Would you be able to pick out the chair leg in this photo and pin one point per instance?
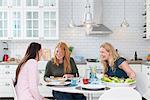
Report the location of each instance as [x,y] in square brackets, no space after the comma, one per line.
[143,98]
[50,98]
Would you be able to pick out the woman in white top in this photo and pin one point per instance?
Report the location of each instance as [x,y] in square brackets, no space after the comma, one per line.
[27,80]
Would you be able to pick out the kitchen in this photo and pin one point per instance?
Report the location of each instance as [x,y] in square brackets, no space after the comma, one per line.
[126,40]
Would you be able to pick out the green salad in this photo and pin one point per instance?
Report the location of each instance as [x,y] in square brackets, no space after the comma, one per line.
[117,80]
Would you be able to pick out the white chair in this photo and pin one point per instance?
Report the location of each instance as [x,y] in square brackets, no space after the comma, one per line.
[121,93]
[14,90]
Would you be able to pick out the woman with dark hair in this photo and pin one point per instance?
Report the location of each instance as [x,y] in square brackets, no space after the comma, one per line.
[62,65]
[26,83]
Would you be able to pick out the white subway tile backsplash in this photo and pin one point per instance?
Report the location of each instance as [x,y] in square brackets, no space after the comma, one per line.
[126,41]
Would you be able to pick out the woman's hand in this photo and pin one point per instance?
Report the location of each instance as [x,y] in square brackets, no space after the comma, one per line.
[68,76]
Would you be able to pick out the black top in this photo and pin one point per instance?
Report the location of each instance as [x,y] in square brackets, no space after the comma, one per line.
[58,71]
[117,71]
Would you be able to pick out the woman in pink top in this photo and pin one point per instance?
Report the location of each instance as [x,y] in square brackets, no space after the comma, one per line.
[27,74]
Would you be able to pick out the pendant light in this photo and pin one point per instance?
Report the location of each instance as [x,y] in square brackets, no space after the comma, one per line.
[72,24]
[88,19]
[124,23]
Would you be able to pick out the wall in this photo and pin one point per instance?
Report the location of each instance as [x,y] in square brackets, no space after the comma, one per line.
[125,40]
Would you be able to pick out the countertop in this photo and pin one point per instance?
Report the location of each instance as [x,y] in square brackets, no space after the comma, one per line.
[139,62]
[84,63]
[9,63]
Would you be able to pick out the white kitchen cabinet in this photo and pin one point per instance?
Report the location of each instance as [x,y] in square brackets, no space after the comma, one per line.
[7,73]
[29,19]
[137,68]
[145,81]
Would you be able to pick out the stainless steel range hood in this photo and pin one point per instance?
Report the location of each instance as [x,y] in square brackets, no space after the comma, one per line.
[100,28]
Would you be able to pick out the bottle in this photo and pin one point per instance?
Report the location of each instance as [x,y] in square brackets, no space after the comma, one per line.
[135,55]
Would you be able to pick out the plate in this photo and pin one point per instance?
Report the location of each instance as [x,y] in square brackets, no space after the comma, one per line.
[56,79]
[93,86]
[58,83]
[112,84]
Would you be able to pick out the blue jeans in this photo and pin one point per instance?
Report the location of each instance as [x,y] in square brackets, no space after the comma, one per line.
[68,96]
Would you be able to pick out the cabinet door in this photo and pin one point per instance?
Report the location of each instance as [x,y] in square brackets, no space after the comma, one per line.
[137,68]
[140,82]
[143,80]
[32,24]
[4,3]
[31,3]
[4,14]
[16,24]
[48,3]
[50,25]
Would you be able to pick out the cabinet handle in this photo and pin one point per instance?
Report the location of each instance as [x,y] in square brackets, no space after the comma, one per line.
[40,71]
[7,66]
[40,6]
[40,84]
[7,72]
[7,84]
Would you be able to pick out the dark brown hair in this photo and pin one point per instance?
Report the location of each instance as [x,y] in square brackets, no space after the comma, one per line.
[31,53]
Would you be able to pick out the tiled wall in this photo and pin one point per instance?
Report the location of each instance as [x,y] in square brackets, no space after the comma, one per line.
[125,40]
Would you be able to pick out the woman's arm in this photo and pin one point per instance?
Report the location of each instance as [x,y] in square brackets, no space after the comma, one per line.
[74,68]
[125,66]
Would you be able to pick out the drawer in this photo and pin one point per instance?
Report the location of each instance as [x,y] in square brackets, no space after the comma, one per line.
[8,67]
[6,89]
[7,76]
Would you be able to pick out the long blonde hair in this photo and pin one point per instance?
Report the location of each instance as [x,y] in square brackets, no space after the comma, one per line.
[113,56]
[65,50]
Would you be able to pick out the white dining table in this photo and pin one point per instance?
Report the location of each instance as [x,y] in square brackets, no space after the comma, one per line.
[78,89]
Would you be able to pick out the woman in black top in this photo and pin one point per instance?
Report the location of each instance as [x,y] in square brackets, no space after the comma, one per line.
[63,66]
[114,65]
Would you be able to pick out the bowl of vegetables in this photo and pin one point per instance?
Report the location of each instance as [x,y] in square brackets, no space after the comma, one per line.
[117,82]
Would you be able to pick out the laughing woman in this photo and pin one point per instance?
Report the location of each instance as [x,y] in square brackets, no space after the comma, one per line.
[113,64]
[26,83]
[62,65]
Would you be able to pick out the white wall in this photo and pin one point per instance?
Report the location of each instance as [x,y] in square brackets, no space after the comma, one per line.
[126,41]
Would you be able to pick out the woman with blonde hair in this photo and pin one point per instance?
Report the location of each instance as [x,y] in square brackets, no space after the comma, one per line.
[62,65]
[113,64]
